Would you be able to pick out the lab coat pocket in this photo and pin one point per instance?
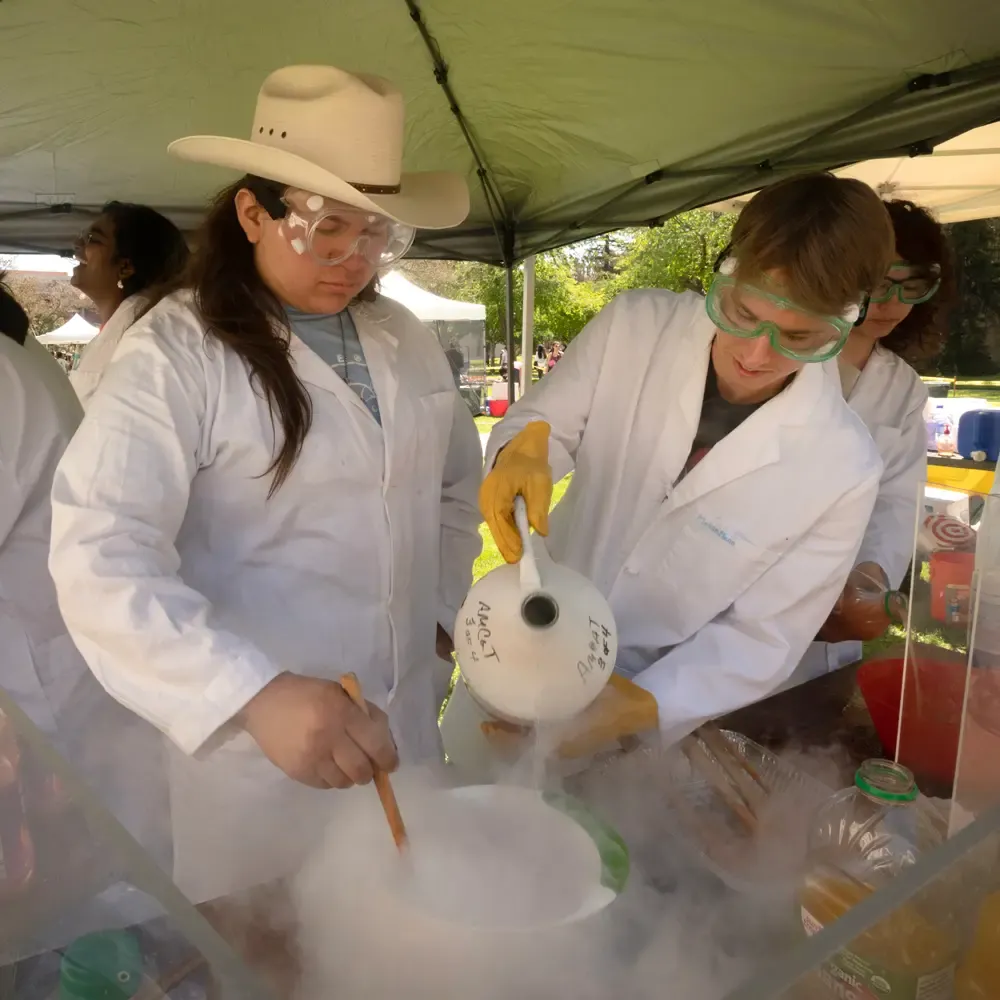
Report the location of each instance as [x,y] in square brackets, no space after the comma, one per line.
[436,414]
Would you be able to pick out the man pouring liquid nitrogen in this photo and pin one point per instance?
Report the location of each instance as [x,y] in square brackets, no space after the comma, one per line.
[721,484]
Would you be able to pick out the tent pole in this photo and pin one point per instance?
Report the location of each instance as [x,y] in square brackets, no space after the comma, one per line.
[528,324]
[509,330]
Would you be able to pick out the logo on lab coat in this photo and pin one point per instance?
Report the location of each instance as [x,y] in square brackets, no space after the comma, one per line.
[716,530]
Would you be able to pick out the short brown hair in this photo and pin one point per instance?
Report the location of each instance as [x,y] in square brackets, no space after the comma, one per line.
[831,238]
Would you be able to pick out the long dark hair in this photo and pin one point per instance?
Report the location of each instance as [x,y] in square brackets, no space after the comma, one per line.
[149,241]
[13,319]
[243,314]
[920,239]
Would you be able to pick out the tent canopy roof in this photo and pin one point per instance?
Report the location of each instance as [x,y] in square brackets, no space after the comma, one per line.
[573,119]
[76,330]
[427,306]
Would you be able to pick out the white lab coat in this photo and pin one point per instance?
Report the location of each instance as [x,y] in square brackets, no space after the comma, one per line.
[188,589]
[97,355]
[890,398]
[719,582]
[118,755]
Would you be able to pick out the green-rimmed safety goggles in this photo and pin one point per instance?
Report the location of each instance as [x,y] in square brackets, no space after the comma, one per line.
[734,307]
[918,285]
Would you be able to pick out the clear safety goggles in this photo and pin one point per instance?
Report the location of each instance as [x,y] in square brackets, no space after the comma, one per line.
[911,284]
[734,308]
[330,232]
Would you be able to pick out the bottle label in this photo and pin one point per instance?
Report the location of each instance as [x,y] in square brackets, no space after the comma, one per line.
[848,976]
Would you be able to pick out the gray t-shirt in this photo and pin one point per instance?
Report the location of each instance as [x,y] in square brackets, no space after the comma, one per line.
[718,418]
[334,337]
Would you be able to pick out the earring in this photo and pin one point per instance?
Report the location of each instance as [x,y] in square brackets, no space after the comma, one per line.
[120,285]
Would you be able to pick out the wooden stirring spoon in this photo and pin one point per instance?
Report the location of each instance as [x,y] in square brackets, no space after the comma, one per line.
[352,687]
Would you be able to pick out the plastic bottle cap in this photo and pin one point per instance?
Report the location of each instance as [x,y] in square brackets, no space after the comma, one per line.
[886,781]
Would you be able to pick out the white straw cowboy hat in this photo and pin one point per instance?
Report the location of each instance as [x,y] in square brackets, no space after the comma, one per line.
[340,135]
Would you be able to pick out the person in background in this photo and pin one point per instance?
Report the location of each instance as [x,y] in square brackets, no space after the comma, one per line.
[276,485]
[722,486]
[555,353]
[127,251]
[904,324]
[118,755]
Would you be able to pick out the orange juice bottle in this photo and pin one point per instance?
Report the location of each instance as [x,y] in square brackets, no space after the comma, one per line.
[979,974]
[861,838]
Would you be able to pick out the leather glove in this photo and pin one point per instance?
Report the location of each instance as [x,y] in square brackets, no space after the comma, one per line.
[621,710]
[866,607]
[521,468]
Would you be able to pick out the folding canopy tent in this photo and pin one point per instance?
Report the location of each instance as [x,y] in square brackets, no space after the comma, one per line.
[569,119]
[76,330]
[959,181]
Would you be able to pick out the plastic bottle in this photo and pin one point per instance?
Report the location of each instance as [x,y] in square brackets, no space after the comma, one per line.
[17,849]
[102,966]
[862,838]
[945,438]
[979,975]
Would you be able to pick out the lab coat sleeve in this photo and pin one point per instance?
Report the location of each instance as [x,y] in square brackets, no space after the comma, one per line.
[748,651]
[461,542]
[889,538]
[564,396]
[119,498]
[15,413]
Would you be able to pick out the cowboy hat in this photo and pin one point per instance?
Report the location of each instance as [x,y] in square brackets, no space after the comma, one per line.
[340,135]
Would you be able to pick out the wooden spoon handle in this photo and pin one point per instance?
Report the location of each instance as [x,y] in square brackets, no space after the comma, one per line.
[352,687]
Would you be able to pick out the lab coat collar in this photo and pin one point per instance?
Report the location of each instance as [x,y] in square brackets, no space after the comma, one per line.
[757,442]
[380,348]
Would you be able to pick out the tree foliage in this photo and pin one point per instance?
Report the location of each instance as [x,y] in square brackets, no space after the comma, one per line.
[49,302]
[563,305]
[679,255]
[973,346]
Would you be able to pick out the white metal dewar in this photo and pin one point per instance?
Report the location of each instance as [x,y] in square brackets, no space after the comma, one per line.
[535,642]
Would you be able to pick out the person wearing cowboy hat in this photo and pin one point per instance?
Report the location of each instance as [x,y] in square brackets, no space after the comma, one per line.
[275,484]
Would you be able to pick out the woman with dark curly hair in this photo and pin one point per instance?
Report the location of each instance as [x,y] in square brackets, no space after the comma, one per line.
[904,328]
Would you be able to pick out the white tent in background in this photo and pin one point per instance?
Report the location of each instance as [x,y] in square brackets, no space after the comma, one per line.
[75,331]
[427,306]
[460,328]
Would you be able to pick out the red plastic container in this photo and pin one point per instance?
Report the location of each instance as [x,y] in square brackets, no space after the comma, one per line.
[947,568]
[498,407]
[935,695]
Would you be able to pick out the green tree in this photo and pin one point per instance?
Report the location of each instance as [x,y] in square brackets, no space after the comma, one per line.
[600,259]
[679,255]
[973,345]
[49,302]
[563,305]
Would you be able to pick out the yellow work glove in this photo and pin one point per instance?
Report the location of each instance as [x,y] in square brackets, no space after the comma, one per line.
[621,710]
[521,468]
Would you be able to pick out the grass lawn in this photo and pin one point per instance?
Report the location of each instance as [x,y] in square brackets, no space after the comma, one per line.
[485,424]
[491,557]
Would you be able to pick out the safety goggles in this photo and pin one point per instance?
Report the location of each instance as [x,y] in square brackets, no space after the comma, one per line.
[911,284]
[330,232]
[735,307]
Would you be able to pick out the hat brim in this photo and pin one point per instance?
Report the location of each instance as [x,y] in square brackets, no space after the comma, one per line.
[431,200]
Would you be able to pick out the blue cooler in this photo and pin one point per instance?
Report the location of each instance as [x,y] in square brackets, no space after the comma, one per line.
[979,430]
